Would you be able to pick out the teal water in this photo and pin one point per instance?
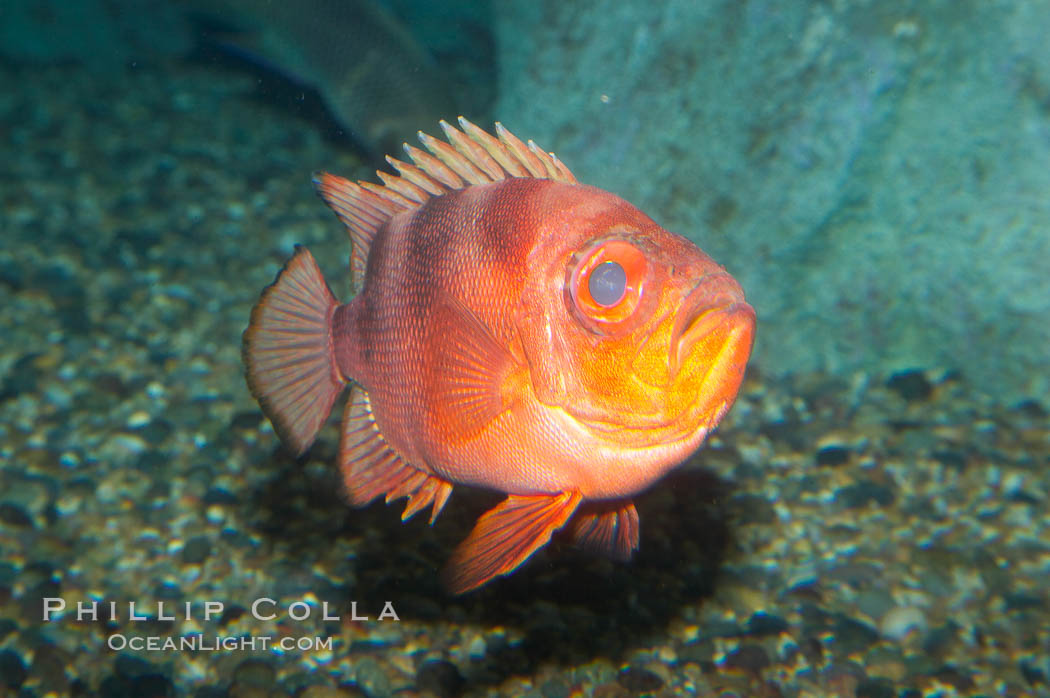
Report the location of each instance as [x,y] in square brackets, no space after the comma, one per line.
[869,520]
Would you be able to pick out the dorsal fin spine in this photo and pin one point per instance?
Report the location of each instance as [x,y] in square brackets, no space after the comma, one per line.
[389,194]
[494,148]
[545,158]
[520,151]
[434,167]
[417,176]
[473,152]
[453,160]
[404,187]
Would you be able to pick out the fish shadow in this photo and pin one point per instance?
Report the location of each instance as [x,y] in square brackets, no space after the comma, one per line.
[562,606]
[275,90]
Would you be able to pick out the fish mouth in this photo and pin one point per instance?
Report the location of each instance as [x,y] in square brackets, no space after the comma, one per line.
[717,317]
[710,344]
[718,325]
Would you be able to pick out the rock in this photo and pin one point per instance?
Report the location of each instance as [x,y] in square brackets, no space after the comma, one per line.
[101,34]
[814,139]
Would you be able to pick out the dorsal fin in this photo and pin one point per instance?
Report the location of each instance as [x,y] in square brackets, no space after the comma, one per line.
[471,156]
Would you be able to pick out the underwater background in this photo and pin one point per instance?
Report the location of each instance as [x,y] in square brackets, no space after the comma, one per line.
[871,519]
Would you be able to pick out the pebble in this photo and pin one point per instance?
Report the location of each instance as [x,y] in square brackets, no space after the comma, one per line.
[761,624]
[12,669]
[902,621]
[14,515]
[1024,601]
[156,431]
[863,494]
[152,686]
[49,669]
[22,378]
[329,692]
[218,495]
[439,677]
[750,658]
[639,680]
[131,666]
[876,602]
[750,508]
[477,648]
[912,385]
[1033,674]
[875,688]
[853,636]
[253,672]
[555,687]
[138,419]
[833,456]
[371,677]
[196,550]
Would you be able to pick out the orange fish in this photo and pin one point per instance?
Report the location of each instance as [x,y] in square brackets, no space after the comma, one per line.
[512,329]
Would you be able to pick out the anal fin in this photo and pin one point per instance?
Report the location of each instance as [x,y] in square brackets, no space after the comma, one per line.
[506,536]
[608,528]
[371,468]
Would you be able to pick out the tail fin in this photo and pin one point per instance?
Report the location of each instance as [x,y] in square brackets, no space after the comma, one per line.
[289,354]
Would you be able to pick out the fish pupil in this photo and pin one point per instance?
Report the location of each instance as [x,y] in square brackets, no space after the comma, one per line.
[607,284]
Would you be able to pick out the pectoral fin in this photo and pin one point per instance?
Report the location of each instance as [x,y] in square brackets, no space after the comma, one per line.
[506,536]
[472,375]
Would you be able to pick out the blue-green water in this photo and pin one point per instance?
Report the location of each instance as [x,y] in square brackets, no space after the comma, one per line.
[870,519]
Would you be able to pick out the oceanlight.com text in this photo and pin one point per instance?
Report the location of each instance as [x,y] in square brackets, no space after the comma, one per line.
[216,643]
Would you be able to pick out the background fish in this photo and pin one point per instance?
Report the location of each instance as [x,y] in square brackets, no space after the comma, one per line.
[513,330]
[371,72]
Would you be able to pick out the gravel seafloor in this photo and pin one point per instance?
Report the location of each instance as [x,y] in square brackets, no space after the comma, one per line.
[851,535]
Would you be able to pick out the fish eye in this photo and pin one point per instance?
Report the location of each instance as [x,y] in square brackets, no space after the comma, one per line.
[607,284]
